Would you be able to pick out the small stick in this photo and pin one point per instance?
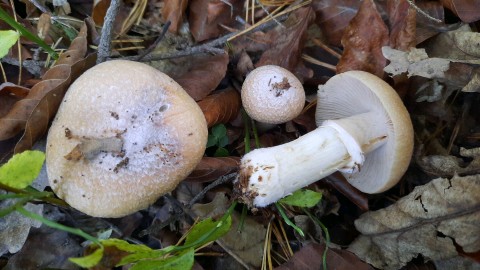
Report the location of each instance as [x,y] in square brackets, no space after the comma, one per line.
[104,46]
[221,180]
[312,60]
[326,48]
[155,44]
[209,47]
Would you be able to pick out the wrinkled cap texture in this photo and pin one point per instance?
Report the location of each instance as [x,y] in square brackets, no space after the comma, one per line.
[356,92]
[145,135]
[272,95]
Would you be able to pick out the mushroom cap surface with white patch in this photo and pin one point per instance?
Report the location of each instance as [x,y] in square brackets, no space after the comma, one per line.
[356,92]
[272,95]
[124,135]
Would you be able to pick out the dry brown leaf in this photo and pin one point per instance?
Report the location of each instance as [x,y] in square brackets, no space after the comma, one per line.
[363,40]
[204,75]
[46,248]
[246,244]
[287,42]
[310,257]
[427,28]
[206,16]
[402,24]
[211,168]
[458,44]
[448,166]
[429,221]
[173,11]
[333,17]
[221,107]
[467,10]
[34,111]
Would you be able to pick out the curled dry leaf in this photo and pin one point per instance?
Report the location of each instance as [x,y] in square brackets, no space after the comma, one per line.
[362,44]
[211,168]
[204,75]
[221,107]
[310,257]
[33,112]
[287,42]
[333,17]
[430,221]
[466,10]
[173,11]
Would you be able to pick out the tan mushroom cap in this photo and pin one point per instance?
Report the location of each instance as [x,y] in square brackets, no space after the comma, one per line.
[355,92]
[141,135]
[272,95]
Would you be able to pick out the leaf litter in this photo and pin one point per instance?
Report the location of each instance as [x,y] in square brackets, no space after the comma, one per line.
[431,55]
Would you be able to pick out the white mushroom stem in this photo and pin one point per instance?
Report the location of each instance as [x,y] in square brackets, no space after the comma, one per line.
[269,174]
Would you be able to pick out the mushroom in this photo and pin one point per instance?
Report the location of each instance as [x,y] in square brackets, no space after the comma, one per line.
[364,131]
[272,95]
[124,135]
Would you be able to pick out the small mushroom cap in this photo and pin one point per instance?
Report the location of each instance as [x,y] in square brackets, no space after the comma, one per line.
[272,95]
[356,92]
[124,135]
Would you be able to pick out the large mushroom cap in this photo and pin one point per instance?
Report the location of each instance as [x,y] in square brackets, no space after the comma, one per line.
[356,92]
[272,95]
[124,135]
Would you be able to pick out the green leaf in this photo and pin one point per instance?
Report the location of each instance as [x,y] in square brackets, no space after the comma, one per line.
[89,260]
[135,257]
[212,140]
[208,230]
[302,198]
[219,131]
[125,246]
[8,38]
[22,169]
[221,152]
[24,32]
[223,141]
[183,260]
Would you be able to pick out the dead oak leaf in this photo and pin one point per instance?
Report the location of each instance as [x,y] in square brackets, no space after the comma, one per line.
[363,40]
[173,11]
[286,43]
[203,75]
[211,168]
[402,22]
[429,221]
[333,16]
[310,257]
[206,16]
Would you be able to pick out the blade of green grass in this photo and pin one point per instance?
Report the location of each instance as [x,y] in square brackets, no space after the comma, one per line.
[24,32]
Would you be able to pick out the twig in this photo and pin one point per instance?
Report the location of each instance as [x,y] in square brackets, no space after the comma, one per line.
[155,44]
[209,47]
[104,45]
[221,180]
[312,60]
[319,43]
[419,10]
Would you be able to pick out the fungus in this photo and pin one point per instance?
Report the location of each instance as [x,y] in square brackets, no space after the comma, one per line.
[125,134]
[364,131]
[272,95]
